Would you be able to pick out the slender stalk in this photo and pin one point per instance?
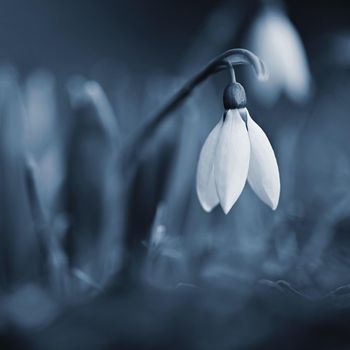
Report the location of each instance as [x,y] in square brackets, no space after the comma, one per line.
[232,73]
[224,61]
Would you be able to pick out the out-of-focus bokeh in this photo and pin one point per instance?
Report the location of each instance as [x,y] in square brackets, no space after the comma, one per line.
[100,249]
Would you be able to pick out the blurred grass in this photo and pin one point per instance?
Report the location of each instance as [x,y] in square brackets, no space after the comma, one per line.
[96,255]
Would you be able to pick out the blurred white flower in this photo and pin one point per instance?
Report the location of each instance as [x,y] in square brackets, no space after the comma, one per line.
[275,40]
[237,149]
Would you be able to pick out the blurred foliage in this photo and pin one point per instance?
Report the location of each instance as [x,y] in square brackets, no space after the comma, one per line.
[97,253]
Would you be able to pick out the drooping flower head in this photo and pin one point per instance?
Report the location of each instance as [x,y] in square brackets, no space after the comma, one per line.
[235,151]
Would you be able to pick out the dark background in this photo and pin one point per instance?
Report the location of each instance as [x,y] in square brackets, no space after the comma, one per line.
[97,257]
[71,36]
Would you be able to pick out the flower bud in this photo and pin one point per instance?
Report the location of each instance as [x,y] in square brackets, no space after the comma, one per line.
[234,96]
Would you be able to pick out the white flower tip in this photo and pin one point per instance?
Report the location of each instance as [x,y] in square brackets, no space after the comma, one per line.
[226,208]
[270,196]
[277,198]
[229,199]
[274,203]
[207,209]
[270,193]
[204,204]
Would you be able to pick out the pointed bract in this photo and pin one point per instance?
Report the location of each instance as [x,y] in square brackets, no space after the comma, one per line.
[263,174]
[231,160]
[206,189]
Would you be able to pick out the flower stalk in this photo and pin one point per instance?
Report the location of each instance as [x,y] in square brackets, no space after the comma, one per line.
[226,60]
[237,150]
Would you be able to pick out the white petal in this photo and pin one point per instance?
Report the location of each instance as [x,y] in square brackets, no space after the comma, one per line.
[231,160]
[296,68]
[275,40]
[206,189]
[263,175]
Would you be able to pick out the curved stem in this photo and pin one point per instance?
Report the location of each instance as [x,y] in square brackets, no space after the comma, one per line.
[231,70]
[243,56]
[224,61]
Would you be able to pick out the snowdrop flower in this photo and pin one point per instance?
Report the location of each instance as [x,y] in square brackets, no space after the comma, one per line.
[274,38]
[237,149]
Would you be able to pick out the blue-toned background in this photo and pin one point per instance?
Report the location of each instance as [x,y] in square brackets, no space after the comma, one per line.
[100,251]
